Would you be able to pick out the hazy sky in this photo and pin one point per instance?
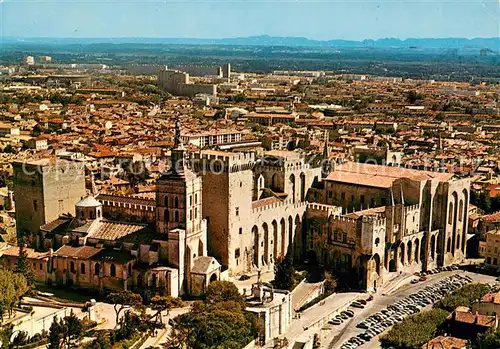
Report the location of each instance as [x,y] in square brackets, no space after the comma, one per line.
[323,19]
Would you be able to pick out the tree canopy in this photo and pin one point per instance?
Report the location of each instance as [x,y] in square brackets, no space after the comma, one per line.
[414,331]
[284,273]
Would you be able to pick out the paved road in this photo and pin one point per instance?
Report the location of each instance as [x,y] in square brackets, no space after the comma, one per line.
[337,335]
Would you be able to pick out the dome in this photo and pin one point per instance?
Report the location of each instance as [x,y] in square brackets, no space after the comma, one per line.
[89,201]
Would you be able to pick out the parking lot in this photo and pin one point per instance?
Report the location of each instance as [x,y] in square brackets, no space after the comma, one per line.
[379,322]
[334,336]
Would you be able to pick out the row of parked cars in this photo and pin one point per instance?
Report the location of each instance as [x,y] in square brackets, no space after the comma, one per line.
[422,276]
[377,323]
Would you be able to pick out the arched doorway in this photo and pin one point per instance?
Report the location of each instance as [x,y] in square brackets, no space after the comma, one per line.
[265,257]
[392,265]
[275,239]
[448,245]
[433,247]
[417,245]
[283,237]
[256,245]
[213,277]
[292,187]
[410,255]
[376,260]
[402,253]
[302,186]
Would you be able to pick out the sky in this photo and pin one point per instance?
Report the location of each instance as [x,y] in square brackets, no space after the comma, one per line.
[314,19]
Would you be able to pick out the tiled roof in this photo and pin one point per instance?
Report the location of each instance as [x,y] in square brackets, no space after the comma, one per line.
[113,230]
[380,176]
[265,202]
[471,318]
[80,252]
[204,265]
[491,298]
[31,253]
[442,342]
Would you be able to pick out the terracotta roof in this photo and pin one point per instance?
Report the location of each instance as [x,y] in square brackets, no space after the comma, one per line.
[380,176]
[491,298]
[204,265]
[113,230]
[495,216]
[442,342]
[265,202]
[31,253]
[80,252]
[471,318]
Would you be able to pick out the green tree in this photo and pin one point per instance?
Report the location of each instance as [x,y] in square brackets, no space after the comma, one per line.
[71,330]
[464,296]
[284,273]
[160,304]
[223,291]
[55,334]
[102,341]
[489,340]
[123,300]
[484,201]
[23,267]
[224,325]
[414,331]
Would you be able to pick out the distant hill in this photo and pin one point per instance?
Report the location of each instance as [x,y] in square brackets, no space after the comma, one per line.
[265,40]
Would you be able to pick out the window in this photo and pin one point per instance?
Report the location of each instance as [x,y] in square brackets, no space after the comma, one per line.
[72,267]
[190,200]
[330,194]
[166,216]
[35,205]
[384,201]
[352,198]
[196,213]
[112,270]
[335,236]
[96,269]
[344,237]
[450,213]
[377,241]
[195,199]
[176,202]
[41,266]
[82,268]
[176,216]
[241,231]
[237,253]
[166,200]
[237,211]
[342,196]
[372,202]
[190,214]
[362,199]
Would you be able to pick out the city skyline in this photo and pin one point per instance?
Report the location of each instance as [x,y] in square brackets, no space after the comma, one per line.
[324,20]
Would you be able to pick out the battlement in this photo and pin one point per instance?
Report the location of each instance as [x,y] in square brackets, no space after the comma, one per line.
[285,203]
[343,219]
[411,208]
[279,168]
[328,209]
[376,220]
